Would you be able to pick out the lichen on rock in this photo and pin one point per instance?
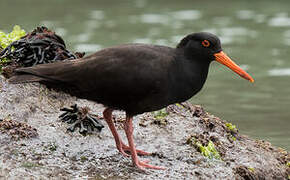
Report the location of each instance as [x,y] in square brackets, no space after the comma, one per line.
[16,130]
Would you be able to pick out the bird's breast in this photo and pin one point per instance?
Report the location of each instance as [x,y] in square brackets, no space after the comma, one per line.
[187,80]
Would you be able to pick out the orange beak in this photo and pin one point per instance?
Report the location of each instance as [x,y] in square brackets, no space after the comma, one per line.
[222,58]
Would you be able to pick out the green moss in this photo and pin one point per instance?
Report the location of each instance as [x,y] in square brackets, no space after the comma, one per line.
[14,152]
[208,151]
[159,117]
[161,114]
[231,127]
[288,164]
[179,105]
[29,165]
[251,169]
[83,158]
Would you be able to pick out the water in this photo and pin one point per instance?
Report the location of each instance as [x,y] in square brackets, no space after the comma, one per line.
[256,34]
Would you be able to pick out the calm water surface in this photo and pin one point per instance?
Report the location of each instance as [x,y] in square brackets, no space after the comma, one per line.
[256,34]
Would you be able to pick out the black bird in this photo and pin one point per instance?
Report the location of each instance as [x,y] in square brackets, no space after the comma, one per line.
[135,78]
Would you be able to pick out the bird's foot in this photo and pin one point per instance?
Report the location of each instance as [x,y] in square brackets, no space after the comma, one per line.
[80,118]
[124,149]
[144,164]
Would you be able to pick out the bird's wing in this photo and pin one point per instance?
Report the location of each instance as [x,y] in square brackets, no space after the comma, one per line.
[134,71]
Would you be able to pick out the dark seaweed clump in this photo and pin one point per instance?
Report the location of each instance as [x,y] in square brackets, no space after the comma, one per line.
[41,46]
[82,119]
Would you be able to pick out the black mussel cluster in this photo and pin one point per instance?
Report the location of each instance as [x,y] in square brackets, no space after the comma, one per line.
[41,46]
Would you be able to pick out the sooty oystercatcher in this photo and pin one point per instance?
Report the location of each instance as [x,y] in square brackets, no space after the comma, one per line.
[135,78]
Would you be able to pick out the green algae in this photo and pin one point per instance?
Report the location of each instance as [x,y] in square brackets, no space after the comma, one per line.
[208,150]
[251,169]
[231,127]
[14,35]
[29,164]
[161,114]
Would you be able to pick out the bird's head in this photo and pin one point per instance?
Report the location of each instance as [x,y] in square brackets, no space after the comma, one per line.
[206,47]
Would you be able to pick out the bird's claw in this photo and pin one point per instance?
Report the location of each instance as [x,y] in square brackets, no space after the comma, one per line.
[124,149]
[80,118]
[144,164]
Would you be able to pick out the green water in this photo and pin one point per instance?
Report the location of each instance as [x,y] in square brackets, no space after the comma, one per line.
[256,34]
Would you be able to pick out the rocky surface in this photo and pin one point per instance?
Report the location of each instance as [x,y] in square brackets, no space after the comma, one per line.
[50,152]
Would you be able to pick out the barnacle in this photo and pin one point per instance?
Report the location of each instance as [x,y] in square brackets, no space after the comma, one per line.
[80,118]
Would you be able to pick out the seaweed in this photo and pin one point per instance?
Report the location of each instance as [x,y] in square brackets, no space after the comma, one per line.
[80,118]
[41,46]
[7,39]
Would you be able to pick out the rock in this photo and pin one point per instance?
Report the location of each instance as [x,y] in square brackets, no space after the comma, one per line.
[58,154]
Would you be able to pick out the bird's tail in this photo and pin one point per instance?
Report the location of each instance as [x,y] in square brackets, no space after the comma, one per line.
[52,72]
[38,73]
[24,78]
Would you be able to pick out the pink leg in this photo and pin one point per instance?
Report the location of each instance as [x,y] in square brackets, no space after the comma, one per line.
[119,143]
[128,126]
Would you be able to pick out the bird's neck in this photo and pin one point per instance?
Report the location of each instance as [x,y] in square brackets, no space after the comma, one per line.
[195,73]
[189,77]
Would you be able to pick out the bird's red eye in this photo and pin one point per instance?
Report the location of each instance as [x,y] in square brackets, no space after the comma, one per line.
[205,43]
